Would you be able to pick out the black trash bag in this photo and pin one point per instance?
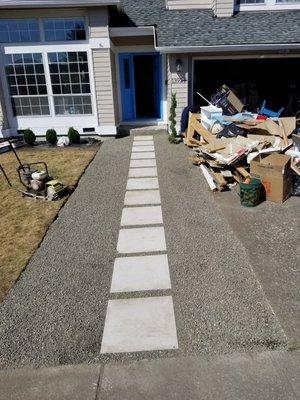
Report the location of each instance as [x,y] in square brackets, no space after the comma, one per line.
[185,117]
[232,130]
[296,185]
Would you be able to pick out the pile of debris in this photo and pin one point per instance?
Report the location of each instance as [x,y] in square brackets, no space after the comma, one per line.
[233,146]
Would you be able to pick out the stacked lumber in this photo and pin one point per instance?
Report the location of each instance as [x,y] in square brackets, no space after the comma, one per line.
[225,161]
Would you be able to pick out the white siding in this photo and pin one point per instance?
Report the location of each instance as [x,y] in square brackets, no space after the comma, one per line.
[104,87]
[188,4]
[223,8]
[178,83]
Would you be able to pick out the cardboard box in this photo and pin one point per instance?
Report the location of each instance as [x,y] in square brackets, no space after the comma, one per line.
[228,101]
[274,170]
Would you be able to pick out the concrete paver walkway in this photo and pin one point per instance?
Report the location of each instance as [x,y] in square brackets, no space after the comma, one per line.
[56,313]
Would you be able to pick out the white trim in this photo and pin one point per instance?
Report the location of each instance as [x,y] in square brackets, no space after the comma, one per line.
[106,130]
[228,48]
[136,31]
[56,3]
[269,5]
[144,122]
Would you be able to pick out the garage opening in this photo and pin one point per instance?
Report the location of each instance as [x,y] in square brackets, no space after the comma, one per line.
[275,80]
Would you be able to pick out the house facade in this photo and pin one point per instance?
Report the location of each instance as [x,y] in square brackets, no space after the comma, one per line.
[96,65]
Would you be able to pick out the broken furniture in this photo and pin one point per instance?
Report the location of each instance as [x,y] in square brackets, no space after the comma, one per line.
[270,113]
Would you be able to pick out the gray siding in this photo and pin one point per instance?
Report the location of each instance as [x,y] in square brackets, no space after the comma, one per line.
[98,22]
[104,87]
[178,83]
[188,4]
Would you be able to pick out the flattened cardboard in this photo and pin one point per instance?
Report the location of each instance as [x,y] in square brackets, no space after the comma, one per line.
[270,127]
[274,170]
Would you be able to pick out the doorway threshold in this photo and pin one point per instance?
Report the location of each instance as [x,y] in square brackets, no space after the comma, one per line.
[154,123]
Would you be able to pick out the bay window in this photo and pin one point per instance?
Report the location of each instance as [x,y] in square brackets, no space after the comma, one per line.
[68,83]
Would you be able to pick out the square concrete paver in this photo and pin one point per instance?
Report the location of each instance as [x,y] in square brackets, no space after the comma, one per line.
[141,216]
[136,149]
[141,240]
[139,197]
[142,324]
[140,156]
[146,137]
[140,273]
[142,183]
[142,163]
[144,143]
[139,172]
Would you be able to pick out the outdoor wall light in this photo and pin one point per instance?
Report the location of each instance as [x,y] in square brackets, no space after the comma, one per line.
[179,65]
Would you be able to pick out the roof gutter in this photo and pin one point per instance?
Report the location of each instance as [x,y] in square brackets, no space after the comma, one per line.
[8,4]
[284,47]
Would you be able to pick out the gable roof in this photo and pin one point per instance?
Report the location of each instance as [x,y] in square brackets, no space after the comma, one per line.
[182,28]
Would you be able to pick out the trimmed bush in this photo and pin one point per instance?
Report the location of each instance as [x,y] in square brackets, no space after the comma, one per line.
[73,136]
[172,118]
[29,137]
[51,136]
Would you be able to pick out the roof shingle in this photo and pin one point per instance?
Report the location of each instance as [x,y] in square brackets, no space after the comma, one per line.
[202,28]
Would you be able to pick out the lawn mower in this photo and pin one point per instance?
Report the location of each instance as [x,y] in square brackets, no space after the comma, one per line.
[36,180]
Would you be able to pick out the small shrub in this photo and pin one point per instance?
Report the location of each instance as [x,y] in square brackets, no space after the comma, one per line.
[51,136]
[29,137]
[73,136]
[173,139]
[172,118]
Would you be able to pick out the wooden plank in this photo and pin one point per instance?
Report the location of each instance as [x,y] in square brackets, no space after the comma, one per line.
[236,177]
[195,125]
[243,172]
[221,181]
[209,178]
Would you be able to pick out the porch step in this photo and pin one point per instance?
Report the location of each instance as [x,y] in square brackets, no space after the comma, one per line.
[143,130]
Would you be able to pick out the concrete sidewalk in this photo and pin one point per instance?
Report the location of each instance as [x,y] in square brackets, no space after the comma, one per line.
[265,376]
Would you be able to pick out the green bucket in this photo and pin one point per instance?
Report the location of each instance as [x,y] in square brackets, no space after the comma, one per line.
[250,193]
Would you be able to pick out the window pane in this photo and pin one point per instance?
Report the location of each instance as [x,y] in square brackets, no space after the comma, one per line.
[250,1]
[19,30]
[23,81]
[30,106]
[71,70]
[64,29]
[69,105]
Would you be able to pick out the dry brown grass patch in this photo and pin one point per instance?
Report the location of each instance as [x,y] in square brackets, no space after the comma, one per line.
[24,221]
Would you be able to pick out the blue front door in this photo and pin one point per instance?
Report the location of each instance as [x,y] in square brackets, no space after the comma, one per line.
[141,86]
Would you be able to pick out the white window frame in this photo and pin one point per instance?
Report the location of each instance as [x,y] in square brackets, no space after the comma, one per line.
[42,30]
[267,5]
[51,120]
